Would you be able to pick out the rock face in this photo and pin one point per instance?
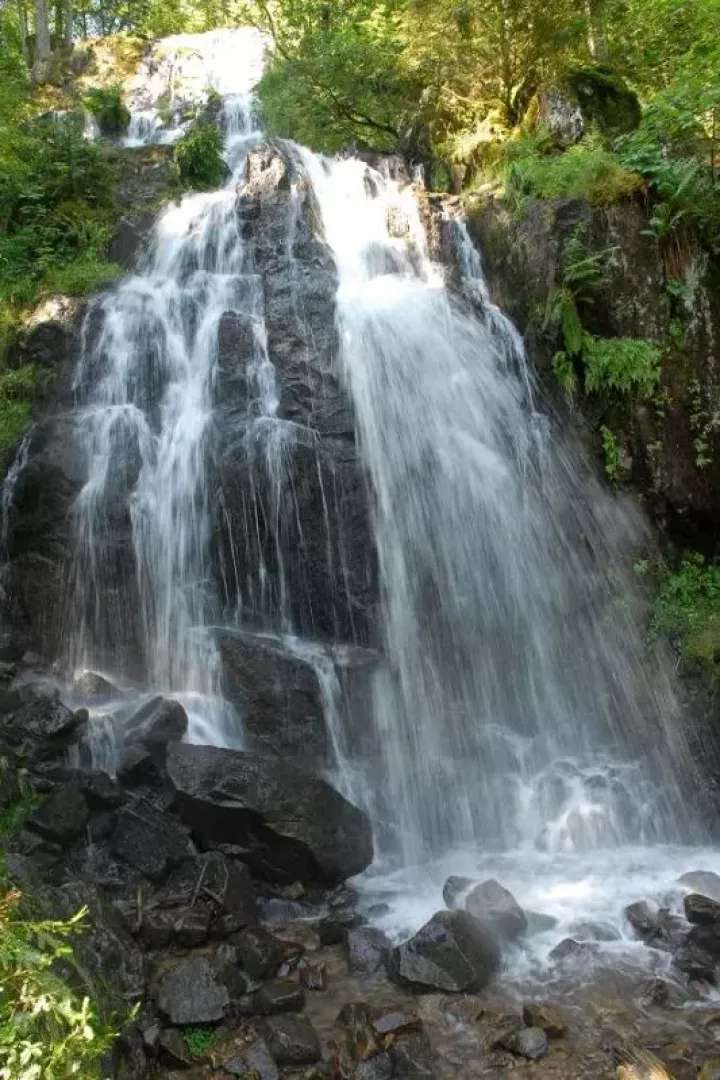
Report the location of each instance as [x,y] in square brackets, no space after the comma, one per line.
[296,826]
[452,952]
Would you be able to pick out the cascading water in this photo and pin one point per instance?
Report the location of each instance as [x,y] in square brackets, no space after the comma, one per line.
[517,718]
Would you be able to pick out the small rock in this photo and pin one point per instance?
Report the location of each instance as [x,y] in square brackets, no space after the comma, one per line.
[137,767]
[497,908]
[259,952]
[173,1050]
[659,929]
[94,687]
[213,877]
[314,976]
[150,841]
[291,1040]
[569,950]
[368,950]
[333,929]
[701,910]
[379,1067]
[454,887]
[412,1058]
[696,963]
[452,952]
[101,791]
[157,929]
[704,882]
[62,817]
[545,1017]
[529,1042]
[655,992]
[190,993]
[395,1022]
[158,722]
[539,923]
[642,919]
[255,1061]
[279,996]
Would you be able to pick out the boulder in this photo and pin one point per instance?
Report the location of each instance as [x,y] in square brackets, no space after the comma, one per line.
[255,1060]
[498,909]
[656,927]
[368,950]
[292,1040]
[279,996]
[452,952]
[150,841]
[696,962]
[44,725]
[704,882]
[546,1017]
[137,767]
[155,724]
[279,696]
[529,1042]
[454,887]
[569,951]
[212,877]
[298,827]
[701,910]
[62,817]
[539,923]
[259,952]
[90,686]
[190,993]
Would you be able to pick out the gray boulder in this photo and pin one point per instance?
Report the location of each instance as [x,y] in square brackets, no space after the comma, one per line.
[151,842]
[62,817]
[452,952]
[190,992]
[298,827]
[291,1040]
[498,909]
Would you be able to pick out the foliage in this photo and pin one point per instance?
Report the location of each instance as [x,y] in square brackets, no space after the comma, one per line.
[612,454]
[687,607]
[605,99]
[17,391]
[622,364]
[198,157]
[199,1040]
[107,106]
[532,168]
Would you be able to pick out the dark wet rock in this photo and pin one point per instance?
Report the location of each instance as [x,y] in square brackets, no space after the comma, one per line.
[452,952]
[173,1050]
[279,996]
[158,722]
[255,1061]
[299,826]
[313,976]
[657,928]
[394,1022]
[44,725]
[279,695]
[190,993]
[137,767]
[642,919]
[368,950]
[498,909]
[223,882]
[105,953]
[704,882]
[130,1060]
[529,1042]
[156,929]
[706,938]
[101,791]
[259,952]
[191,926]
[701,910]
[546,1017]
[62,817]
[696,962]
[569,951]
[91,686]
[593,931]
[291,1040]
[150,841]
[412,1058]
[333,929]
[655,992]
[454,887]
[379,1067]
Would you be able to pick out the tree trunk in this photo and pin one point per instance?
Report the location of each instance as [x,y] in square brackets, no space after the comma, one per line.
[23,24]
[42,32]
[596,30]
[68,22]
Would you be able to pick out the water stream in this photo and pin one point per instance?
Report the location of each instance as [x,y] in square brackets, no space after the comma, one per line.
[522,727]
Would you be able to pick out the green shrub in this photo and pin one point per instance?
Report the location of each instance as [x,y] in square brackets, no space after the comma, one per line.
[623,364]
[17,392]
[587,171]
[612,454]
[107,106]
[199,1040]
[198,157]
[687,607]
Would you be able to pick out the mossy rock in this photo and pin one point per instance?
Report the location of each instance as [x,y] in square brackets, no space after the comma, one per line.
[605,99]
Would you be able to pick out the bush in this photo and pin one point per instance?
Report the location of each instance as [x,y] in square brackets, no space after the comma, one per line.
[587,171]
[687,608]
[198,157]
[623,364]
[17,392]
[107,106]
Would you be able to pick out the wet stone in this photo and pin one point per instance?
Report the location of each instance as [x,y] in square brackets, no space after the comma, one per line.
[454,887]
[545,1017]
[539,923]
[570,951]
[62,817]
[379,1067]
[291,1040]
[696,963]
[91,686]
[701,910]
[497,908]
[655,992]
[593,931]
[173,1049]
[279,996]
[394,1023]
[704,882]
[190,993]
[313,976]
[412,1058]
[259,952]
[255,1060]
[528,1042]
[452,952]
[333,929]
[150,841]
[368,950]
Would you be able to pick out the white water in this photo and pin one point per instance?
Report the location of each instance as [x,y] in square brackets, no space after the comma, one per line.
[522,731]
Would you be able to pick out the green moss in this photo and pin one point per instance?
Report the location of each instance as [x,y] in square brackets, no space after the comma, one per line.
[605,99]
[687,609]
[107,106]
[622,364]
[199,1040]
[18,390]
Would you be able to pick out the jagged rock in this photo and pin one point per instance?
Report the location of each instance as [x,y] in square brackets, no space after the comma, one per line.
[255,1060]
[389,1023]
[279,695]
[291,1040]
[368,950]
[299,826]
[279,996]
[452,952]
[659,928]
[529,1042]
[156,723]
[101,791]
[225,883]
[45,724]
[411,1058]
[62,817]
[333,929]
[705,937]
[696,962]
[190,993]
[655,992]
[259,952]
[454,887]
[379,1067]
[701,910]
[704,882]
[592,931]
[571,951]
[498,909]
[545,1017]
[173,1050]
[137,767]
[150,841]
[91,686]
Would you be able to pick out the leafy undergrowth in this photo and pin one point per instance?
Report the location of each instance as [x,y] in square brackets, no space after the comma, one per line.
[687,608]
